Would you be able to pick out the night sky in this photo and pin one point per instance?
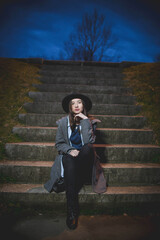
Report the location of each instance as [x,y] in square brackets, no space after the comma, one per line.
[38,28]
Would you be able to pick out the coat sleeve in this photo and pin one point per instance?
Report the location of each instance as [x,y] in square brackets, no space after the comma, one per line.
[88,131]
[61,143]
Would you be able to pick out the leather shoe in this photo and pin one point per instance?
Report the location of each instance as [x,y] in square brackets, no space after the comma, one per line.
[72,221]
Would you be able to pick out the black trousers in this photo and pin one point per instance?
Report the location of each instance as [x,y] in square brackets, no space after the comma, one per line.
[77,171]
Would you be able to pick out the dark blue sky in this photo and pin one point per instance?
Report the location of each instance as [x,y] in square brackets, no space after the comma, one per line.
[38,28]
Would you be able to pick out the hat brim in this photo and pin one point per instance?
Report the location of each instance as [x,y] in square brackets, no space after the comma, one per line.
[68,98]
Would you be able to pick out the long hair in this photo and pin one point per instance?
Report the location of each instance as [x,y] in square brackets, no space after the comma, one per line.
[72,120]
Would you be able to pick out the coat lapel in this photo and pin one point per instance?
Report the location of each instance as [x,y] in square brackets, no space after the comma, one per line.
[65,129]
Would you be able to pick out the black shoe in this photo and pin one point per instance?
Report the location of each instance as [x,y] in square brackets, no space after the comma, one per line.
[72,221]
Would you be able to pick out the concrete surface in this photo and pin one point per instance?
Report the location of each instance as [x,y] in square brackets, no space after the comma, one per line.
[48,226]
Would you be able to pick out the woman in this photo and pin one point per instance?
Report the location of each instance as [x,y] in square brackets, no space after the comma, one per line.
[77,162]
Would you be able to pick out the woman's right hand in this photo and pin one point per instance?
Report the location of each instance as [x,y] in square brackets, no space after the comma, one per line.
[81,116]
[74,153]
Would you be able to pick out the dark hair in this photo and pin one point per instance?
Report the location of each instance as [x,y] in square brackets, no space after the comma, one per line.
[71,115]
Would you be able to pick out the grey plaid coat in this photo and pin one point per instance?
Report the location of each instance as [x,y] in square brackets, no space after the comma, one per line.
[63,146]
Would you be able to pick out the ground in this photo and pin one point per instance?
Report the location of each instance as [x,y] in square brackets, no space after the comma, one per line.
[39,225]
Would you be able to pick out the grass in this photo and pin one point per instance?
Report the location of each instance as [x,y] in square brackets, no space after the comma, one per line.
[144,79]
[16,79]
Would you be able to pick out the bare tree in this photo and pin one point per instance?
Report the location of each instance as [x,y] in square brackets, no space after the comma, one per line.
[90,39]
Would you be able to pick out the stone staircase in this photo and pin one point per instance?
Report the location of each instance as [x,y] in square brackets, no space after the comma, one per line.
[124,143]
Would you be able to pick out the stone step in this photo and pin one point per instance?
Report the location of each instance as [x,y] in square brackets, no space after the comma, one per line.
[83,75]
[107,121]
[103,135]
[116,174]
[95,98]
[96,81]
[108,109]
[81,66]
[85,72]
[109,153]
[116,200]
[82,88]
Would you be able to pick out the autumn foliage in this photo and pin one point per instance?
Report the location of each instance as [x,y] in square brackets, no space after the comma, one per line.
[16,79]
[144,79]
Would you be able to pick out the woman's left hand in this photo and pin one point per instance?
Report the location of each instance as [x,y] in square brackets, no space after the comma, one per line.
[74,153]
[81,115]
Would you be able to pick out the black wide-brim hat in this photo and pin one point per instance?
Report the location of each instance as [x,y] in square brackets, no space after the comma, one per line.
[68,98]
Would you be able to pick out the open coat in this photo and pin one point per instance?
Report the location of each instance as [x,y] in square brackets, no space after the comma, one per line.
[63,145]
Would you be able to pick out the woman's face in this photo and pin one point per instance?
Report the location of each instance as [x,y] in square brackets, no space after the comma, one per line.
[76,105]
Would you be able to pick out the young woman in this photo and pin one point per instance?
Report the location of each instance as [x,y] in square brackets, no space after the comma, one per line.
[77,162]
